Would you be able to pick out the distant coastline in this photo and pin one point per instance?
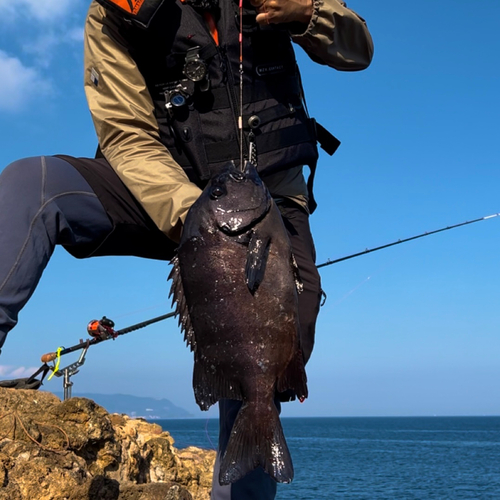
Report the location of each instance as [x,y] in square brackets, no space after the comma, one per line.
[135,406]
[163,409]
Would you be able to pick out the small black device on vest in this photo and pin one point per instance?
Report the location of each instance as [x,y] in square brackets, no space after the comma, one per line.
[195,69]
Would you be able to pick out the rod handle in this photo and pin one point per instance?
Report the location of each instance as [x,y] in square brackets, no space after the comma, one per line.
[50,356]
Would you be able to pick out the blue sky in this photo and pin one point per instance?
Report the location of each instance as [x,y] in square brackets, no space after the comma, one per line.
[411,330]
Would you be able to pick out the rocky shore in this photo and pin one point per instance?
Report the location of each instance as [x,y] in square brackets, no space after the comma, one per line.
[76,450]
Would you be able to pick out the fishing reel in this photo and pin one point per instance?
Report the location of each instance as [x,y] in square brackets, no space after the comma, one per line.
[102,329]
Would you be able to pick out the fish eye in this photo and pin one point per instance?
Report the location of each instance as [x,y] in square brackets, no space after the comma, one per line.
[217,192]
[237,176]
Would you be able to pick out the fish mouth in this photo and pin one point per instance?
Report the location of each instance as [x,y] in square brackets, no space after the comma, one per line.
[240,199]
[236,222]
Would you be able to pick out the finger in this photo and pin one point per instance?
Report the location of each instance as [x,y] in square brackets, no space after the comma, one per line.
[263,18]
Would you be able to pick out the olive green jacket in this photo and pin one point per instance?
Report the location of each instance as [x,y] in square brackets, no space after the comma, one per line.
[122,109]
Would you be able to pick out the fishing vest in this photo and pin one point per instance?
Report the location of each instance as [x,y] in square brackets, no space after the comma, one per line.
[192,72]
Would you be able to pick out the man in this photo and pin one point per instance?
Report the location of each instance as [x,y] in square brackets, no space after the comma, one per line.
[162,83]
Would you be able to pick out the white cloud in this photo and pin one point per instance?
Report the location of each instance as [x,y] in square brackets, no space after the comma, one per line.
[19,83]
[4,369]
[22,372]
[49,43]
[13,372]
[48,9]
[45,10]
[75,35]
[44,48]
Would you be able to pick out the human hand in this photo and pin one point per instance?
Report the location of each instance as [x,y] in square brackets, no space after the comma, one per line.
[283,11]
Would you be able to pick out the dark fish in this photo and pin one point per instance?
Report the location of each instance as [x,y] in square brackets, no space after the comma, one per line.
[235,284]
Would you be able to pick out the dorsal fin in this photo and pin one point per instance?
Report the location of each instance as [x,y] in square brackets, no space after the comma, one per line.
[179,299]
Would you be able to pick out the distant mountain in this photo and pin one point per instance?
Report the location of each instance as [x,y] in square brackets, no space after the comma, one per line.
[135,406]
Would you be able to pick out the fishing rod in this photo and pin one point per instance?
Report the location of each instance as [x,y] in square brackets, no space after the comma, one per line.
[398,242]
[99,330]
[102,330]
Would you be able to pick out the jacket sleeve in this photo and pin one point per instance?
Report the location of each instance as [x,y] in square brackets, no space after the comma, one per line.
[122,111]
[336,36]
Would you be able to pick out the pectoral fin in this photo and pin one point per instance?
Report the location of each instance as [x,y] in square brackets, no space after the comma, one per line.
[257,253]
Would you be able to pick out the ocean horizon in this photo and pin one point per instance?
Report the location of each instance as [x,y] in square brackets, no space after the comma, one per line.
[379,458]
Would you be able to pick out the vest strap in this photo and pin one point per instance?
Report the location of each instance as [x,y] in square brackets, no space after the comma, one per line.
[326,139]
[285,137]
[255,120]
[228,150]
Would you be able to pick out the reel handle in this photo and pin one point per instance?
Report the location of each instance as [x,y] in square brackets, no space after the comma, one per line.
[50,356]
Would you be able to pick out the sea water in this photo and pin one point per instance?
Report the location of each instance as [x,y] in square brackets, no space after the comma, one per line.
[376,458]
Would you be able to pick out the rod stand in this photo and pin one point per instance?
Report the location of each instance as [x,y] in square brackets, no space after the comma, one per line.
[69,371]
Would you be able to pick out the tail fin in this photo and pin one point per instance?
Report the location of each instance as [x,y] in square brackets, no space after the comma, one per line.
[256,439]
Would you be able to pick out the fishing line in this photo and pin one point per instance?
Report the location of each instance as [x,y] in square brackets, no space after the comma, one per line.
[350,292]
[207,434]
[240,118]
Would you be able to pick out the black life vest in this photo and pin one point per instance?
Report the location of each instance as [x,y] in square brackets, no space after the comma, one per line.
[198,120]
